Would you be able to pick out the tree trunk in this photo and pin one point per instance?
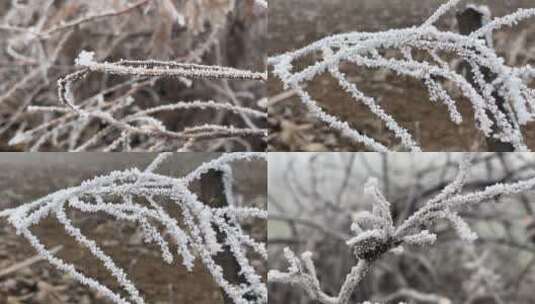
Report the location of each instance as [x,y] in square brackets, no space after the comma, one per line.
[470,20]
[212,191]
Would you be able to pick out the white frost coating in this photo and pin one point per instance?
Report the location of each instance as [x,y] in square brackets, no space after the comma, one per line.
[122,122]
[509,20]
[198,239]
[440,11]
[165,68]
[368,49]
[424,238]
[375,234]
[85,58]
[19,138]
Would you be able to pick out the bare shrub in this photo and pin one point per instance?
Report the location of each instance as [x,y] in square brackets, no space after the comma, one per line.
[151,75]
[204,231]
[500,95]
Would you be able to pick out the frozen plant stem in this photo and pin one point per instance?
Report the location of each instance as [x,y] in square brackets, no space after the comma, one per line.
[205,230]
[148,68]
[153,68]
[368,50]
[119,116]
[142,122]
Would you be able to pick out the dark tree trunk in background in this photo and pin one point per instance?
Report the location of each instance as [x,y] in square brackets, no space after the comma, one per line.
[212,192]
[470,20]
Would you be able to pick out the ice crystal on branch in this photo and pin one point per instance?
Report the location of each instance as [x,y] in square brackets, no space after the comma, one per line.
[368,49]
[146,108]
[121,195]
[145,122]
[375,234]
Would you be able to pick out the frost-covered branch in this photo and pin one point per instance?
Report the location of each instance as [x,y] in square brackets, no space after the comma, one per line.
[142,198]
[143,122]
[375,232]
[154,68]
[302,272]
[148,108]
[369,50]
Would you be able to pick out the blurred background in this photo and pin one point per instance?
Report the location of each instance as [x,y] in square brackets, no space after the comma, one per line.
[313,196]
[25,177]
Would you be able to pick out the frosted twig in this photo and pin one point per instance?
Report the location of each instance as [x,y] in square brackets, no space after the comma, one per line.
[444,8]
[368,50]
[119,117]
[508,20]
[375,233]
[121,194]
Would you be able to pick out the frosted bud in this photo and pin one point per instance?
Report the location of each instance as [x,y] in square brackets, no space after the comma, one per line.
[85,58]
